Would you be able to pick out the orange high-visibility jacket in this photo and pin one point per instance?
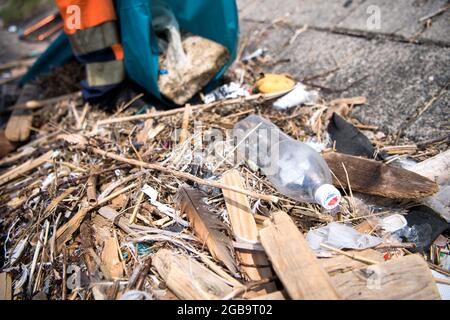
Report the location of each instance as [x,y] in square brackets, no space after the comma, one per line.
[94,36]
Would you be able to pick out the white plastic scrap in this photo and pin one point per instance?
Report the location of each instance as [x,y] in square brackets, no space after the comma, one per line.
[136,295]
[153,195]
[340,236]
[227,91]
[255,54]
[18,249]
[393,223]
[317,145]
[299,95]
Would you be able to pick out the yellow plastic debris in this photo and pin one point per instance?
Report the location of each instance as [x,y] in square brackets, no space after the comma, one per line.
[271,83]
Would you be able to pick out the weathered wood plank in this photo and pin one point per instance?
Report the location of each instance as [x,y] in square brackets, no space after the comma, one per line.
[277,295]
[374,177]
[19,124]
[405,278]
[294,262]
[5,286]
[187,278]
[244,228]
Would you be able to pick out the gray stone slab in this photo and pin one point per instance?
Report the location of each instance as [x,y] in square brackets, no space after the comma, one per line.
[436,121]
[439,31]
[322,14]
[399,18]
[397,78]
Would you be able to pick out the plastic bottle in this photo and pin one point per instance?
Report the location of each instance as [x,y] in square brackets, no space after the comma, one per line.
[294,168]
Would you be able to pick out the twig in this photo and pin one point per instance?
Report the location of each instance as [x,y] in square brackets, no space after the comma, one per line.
[136,208]
[432,15]
[185,124]
[128,104]
[442,281]
[240,290]
[184,175]
[350,255]
[201,107]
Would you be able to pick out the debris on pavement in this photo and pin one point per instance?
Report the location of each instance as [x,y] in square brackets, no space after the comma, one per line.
[270,83]
[227,91]
[348,139]
[250,194]
[299,95]
[340,236]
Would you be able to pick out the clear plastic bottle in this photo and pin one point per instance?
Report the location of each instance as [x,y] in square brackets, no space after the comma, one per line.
[294,168]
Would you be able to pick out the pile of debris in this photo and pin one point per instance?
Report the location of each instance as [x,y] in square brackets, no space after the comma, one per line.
[128,206]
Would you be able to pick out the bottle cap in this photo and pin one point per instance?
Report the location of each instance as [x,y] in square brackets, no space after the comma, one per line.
[328,196]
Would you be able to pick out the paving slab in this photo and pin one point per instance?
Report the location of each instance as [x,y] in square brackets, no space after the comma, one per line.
[439,31]
[323,14]
[399,18]
[398,78]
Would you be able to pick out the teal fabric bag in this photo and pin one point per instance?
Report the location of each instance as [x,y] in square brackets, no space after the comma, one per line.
[216,20]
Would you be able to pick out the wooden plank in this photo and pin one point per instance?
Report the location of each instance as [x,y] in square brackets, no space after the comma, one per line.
[19,124]
[5,286]
[244,228]
[294,262]
[277,295]
[374,177]
[24,168]
[404,278]
[187,278]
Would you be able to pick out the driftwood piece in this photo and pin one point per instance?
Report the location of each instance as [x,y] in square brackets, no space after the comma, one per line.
[24,168]
[19,124]
[294,262]
[5,286]
[405,278]
[207,226]
[245,230]
[187,278]
[376,178]
[110,259]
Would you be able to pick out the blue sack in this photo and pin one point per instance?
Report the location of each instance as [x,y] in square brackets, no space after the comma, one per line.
[216,20]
